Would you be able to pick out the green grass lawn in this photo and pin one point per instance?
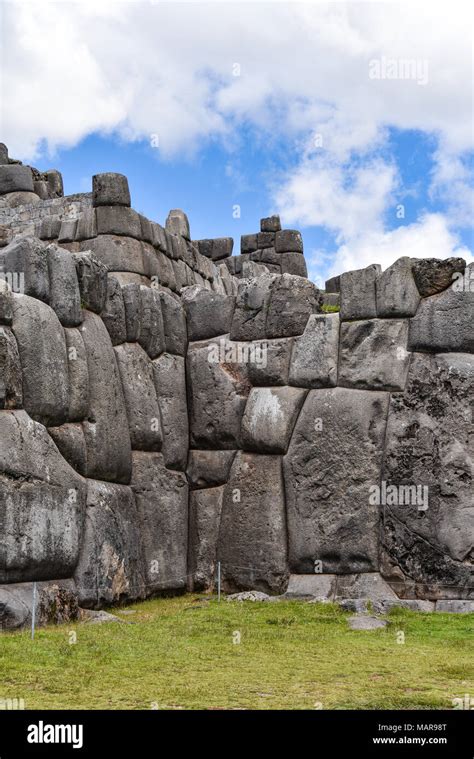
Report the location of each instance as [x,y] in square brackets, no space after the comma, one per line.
[179,653]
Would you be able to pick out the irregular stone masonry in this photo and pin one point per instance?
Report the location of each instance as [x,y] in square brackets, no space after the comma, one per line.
[166,405]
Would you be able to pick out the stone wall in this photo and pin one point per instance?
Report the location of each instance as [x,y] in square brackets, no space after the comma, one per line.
[160,414]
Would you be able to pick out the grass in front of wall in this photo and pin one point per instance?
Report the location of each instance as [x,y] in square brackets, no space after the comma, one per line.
[179,653]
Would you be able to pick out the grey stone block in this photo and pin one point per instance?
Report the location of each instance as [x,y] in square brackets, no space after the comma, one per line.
[373,354]
[269,418]
[333,285]
[86,225]
[266,240]
[117,253]
[11,393]
[288,241]
[78,375]
[111,566]
[270,224]
[64,292]
[292,301]
[110,189]
[358,293]
[113,314]
[56,603]
[170,384]
[92,278]
[397,293]
[43,358]
[15,178]
[315,354]
[42,521]
[252,546]
[335,452]
[132,306]
[205,507]
[141,404]
[248,243]
[118,220]
[269,361]
[151,336]
[208,314]
[70,442]
[207,469]
[455,607]
[251,307]
[67,230]
[162,501]
[293,263]
[26,261]
[177,223]
[433,275]
[174,325]
[6,303]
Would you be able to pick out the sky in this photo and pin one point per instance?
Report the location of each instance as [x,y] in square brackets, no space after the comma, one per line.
[352,120]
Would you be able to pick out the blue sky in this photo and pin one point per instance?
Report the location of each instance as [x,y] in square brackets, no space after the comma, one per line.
[270,111]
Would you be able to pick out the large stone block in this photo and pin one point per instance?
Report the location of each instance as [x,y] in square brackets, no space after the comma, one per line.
[288,240]
[269,418]
[42,501]
[111,565]
[110,189]
[118,220]
[92,277]
[315,354]
[293,263]
[113,314]
[252,546]
[6,303]
[177,223]
[358,299]
[208,314]
[64,293]
[207,469]
[15,178]
[170,383]
[25,260]
[56,603]
[334,457]
[143,413]
[162,501]
[43,358]
[444,322]
[270,224]
[269,361]
[11,393]
[151,336]
[205,507]
[373,354]
[71,444]
[118,253]
[106,428]
[132,308]
[397,293]
[251,307]
[429,444]
[433,275]
[78,375]
[292,301]
[218,387]
[174,324]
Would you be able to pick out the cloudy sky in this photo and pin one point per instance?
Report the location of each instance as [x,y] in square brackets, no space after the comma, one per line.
[353,120]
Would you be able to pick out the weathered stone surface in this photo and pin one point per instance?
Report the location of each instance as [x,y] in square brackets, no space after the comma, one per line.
[151,336]
[174,325]
[433,275]
[111,563]
[265,240]
[396,291]
[143,413]
[293,263]
[113,314]
[334,454]
[321,586]
[268,361]
[366,622]
[118,253]
[55,183]
[269,418]
[169,375]
[333,285]
[106,428]
[455,607]
[15,178]
[248,243]
[68,230]
[208,314]
[251,307]
[92,277]
[15,199]
[42,502]
[288,240]
[270,224]
[218,387]
[110,189]
[132,307]
[43,358]
[205,507]
[429,444]
[315,354]
[373,354]
[118,220]
[64,293]
[162,501]
[177,223]
[292,301]
[56,603]
[252,537]
[70,441]
[6,303]
[358,293]
[331,299]
[26,261]
[207,469]
[444,322]
[369,585]
[217,248]
[78,375]
[86,225]
[11,393]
